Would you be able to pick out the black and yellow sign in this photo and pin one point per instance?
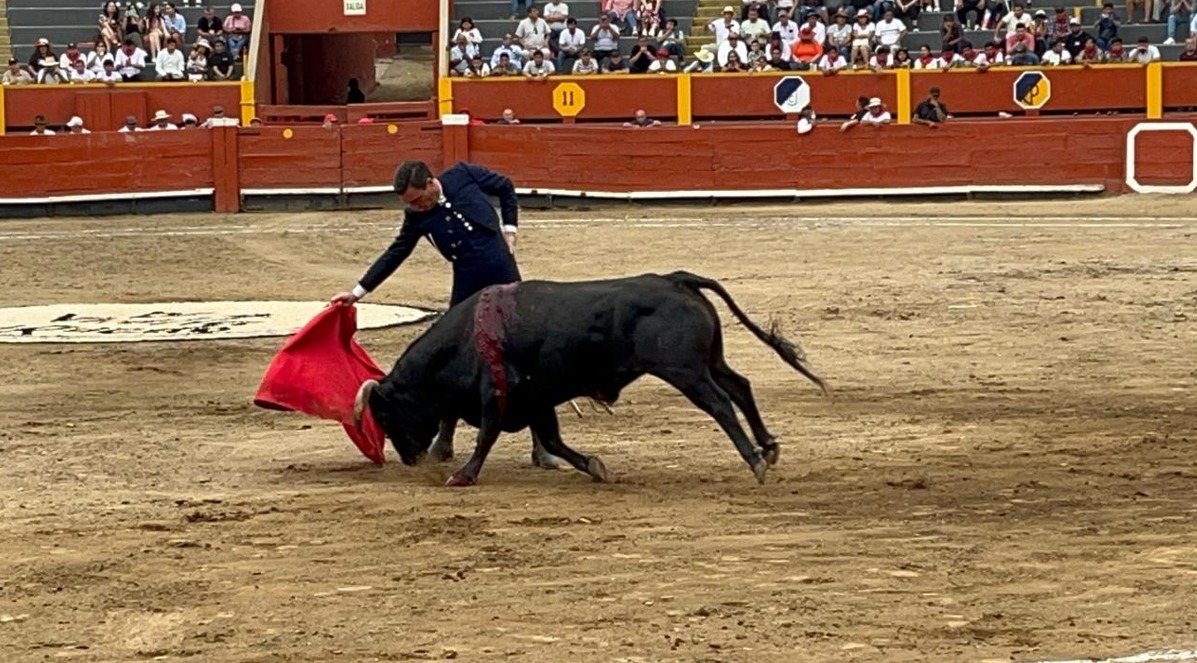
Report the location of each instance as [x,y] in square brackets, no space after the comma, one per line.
[569,99]
[1032,90]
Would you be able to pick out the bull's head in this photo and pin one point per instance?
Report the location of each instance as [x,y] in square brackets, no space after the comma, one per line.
[410,433]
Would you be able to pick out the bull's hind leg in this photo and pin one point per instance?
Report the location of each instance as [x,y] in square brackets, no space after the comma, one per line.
[702,390]
[740,390]
[547,431]
[442,446]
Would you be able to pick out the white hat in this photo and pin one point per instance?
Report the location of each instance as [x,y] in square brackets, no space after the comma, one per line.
[75,121]
[43,42]
[863,12]
[189,117]
[161,115]
[875,101]
[705,57]
[235,8]
[728,10]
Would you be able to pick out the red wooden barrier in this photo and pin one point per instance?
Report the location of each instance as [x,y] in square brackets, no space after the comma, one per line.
[104,107]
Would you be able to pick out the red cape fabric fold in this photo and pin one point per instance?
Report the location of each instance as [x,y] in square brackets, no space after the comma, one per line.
[318,372]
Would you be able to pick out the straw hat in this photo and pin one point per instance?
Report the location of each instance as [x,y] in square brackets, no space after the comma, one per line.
[161,115]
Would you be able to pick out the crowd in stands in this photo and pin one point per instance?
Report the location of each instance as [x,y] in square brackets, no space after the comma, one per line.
[861,34]
[127,44]
[161,121]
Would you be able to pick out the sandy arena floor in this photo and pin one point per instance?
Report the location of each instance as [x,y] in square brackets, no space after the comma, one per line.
[1005,470]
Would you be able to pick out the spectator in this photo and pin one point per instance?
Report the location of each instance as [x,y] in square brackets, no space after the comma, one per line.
[66,62]
[508,117]
[672,39]
[890,31]
[876,114]
[704,63]
[477,68]
[1117,52]
[995,10]
[39,122]
[131,30]
[754,27]
[570,44]
[747,6]
[966,7]
[466,29]
[219,119]
[777,53]
[162,122]
[722,27]
[862,39]
[110,74]
[191,122]
[732,45]
[1144,52]
[556,13]
[805,52]
[1017,17]
[1059,25]
[839,34]
[901,60]
[153,30]
[756,58]
[641,120]
[787,29]
[539,67]
[586,65]
[663,64]
[515,8]
[620,11]
[15,74]
[1107,27]
[111,32]
[734,64]
[51,74]
[606,38]
[41,53]
[512,50]
[817,28]
[533,33]
[197,64]
[950,34]
[947,59]
[648,17]
[237,28]
[862,109]
[882,59]
[1178,10]
[75,126]
[1057,55]
[355,94]
[1130,10]
[97,58]
[210,27]
[1041,33]
[1019,36]
[991,56]
[79,73]
[505,67]
[1190,52]
[832,61]
[615,64]
[643,55]
[170,64]
[786,6]
[331,122]
[931,112]
[1090,54]
[806,120]
[907,11]
[460,55]
[220,61]
[130,125]
[1075,40]
[176,24]
[1023,57]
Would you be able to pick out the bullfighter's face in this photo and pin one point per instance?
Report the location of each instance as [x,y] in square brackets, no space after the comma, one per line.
[422,199]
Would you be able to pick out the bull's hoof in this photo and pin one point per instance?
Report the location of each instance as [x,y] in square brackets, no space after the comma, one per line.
[772,452]
[460,481]
[759,468]
[546,461]
[440,453]
[596,469]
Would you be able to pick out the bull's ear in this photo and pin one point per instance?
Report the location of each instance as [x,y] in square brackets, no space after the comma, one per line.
[361,400]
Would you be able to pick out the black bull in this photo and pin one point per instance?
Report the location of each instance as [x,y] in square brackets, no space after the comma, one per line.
[503,359]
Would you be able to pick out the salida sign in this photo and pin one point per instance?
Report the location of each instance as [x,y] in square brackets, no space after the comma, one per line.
[355,7]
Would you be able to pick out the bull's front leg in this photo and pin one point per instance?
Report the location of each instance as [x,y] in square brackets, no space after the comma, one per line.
[488,433]
[442,446]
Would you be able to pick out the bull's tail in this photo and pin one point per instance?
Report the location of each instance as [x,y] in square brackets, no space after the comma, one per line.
[786,349]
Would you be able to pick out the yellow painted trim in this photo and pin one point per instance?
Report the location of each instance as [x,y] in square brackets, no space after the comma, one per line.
[444,96]
[249,104]
[684,101]
[1155,91]
[903,101]
[3,120]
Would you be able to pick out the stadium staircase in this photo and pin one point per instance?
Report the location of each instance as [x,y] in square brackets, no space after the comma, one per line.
[5,35]
[66,21]
[930,22]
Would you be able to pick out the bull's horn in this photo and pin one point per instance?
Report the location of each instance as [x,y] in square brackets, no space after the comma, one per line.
[361,400]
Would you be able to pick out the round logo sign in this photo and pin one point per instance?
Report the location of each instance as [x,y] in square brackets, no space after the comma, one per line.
[180,321]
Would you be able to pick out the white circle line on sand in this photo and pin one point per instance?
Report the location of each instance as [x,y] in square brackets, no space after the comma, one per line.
[1145,657]
[1091,223]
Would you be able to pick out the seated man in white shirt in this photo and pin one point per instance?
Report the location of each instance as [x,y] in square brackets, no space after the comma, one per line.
[130,125]
[586,64]
[110,74]
[75,126]
[162,122]
[663,64]
[754,27]
[170,63]
[786,28]
[80,73]
[876,114]
[539,67]
[1056,55]
[570,43]
[733,43]
[39,127]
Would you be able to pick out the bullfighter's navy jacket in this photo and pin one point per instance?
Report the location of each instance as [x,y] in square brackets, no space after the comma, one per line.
[464,228]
